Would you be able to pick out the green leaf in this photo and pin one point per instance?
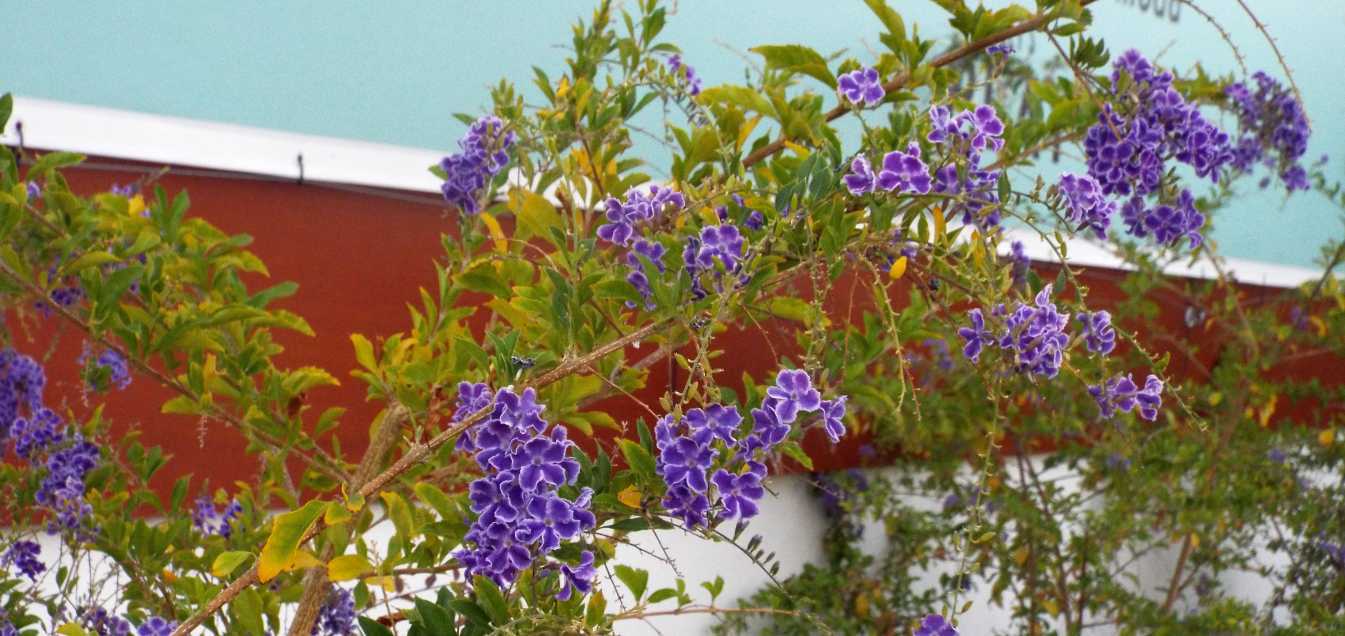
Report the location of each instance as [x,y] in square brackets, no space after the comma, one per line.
[796,58]
[432,495]
[180,405]
[483,278]
[471,611]
[791,308]
[53,160]
[227,562]
[400,513]
[597,609]
[890,19]
[637,458]
[492,600]
[347,567]
[537,217]
[795,452]
[6,109]
[364,352]
[435,618]
[662,595]
[634,578]
[371,627]
[282,547]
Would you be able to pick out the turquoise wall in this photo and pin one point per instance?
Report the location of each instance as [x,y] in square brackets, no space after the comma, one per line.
[393,71]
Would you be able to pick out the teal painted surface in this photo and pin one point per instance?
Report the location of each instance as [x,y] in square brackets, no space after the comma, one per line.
[394,71]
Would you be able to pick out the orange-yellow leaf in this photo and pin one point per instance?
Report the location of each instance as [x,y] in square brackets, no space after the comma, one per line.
[898,268]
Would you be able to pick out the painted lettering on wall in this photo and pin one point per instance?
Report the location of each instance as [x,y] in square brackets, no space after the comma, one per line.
[1170,9]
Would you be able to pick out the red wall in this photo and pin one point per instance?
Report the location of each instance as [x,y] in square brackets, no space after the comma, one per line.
[359,258]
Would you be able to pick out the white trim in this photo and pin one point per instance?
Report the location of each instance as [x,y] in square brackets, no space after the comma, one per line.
[1086,253]
[120,134]
[105,132]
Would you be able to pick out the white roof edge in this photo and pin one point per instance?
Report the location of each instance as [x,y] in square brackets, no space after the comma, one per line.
[1087,253]
[106,132]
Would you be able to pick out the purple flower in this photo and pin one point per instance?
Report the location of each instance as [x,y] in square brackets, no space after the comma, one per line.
[551,520]
[861,87]
[767,431]
[740,493]
[1120,394]
[833,414]
[34,190]
[103,623]
[861,179]
[337,615]
[977,336]
[1021,263]
[207,520]
[793,392]
[686,74]
[685,462]
[1003,48]
[690,506]
[967,135]
[23,555]
[904,171]
[1098,334]
[1086,204]
[578,578]
[1274,129]
[482,154]
[935,625]
[520,517]
[156,626]
[715,421]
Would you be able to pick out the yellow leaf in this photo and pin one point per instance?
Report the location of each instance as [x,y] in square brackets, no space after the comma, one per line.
[136,205]
[281,551]
[501,243]
[1020,555]
[1216,398]
[1318,325]
[1268,410]
[167,575]
[336,514]
[940,224]
[388,583]
[1195,541]
[746,130]
[898,268]
[562,87]
[347,567]
[303,560]
[1327,437]
[1051,607]
[630,496]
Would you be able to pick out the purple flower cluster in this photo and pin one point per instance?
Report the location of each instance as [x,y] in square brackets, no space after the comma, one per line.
[337,616]
[1021,263]
[902,172]
[969,134]
[1127,153]
[37,431]
[109,368]
[23,555]
[103,623]
[935,625]
[1003,48]
[626,219]
[1034,333]
[1120,393]
[686,74]
[483,152]
[722,244]
[520,513]
[207,519]
[1087,205]
[691,447]
[156,626]
[1274,130]
[861,87]
[1098,334]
